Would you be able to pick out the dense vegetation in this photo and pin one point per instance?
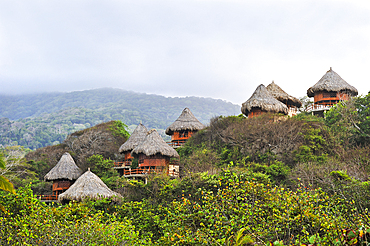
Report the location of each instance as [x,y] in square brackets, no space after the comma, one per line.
[39,120]
[259,181]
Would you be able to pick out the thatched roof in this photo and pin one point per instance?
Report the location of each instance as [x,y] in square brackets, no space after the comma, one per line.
[66,168]
[262,99]
[186,121]
[88,186]
[154,144]
[332,82]
[135,139]
[282,96]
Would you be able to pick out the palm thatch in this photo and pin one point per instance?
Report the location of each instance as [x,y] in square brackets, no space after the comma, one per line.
[262,99]
[135,139]
[282,96]
[154,144]
[88,186]
[332,82]
[66,168]
[186,121]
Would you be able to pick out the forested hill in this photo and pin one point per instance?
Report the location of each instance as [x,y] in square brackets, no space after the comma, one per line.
[37,120]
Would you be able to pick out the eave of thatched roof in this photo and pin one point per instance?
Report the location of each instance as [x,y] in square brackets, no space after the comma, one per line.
[282,96]
[154,144]
[262,99]
[332,82]
[135,139]
[88,186]
[66,168]
[186,121]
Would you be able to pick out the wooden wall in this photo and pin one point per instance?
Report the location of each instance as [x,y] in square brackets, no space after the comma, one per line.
[153,161]
[255,112]
[329,98]
[182,135]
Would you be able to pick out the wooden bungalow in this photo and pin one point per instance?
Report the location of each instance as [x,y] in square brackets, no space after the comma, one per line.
[183,128]
[134,140]
[262,102]
[63,176]
[88,186]
[328,91]
[291,102]
[155,155]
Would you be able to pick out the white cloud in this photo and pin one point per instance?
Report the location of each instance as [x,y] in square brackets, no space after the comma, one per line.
[218,49]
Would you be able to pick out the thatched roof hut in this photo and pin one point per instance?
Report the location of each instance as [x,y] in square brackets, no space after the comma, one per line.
[88,186]
[135,139]
[282,96]
[154,144]
[332,82]
[186,121]
[66,168]
[262,99]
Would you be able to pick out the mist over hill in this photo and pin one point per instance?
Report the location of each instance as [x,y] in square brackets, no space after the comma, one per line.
[39,120]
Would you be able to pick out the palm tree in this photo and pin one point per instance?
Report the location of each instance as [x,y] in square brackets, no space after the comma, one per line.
[4,182]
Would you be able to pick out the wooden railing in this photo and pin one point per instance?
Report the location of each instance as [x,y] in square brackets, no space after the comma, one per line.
[123,164]
[144,171]
[314,107]
[48,197]
[178,143]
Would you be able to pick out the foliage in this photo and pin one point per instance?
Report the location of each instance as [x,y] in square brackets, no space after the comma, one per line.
[120,129]
[17,170]
[233,207]
[27,221]
[5,184]
[314,147]
[350,120]
[103,168]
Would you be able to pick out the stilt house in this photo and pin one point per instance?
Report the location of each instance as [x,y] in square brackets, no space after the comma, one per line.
[262,102]
[63,175]
[154,155]
[134,140]
[88,186]
[183,128]
[291,102]
[328,91]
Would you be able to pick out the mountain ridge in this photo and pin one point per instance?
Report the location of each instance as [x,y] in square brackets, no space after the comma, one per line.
[39,120]
[14,102]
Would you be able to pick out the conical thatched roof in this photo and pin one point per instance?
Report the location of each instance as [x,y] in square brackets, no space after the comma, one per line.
[66,168]
[186,121]
[135,139]
[332,82]
[262,99]
[282,96]
[88,186]
[154,144]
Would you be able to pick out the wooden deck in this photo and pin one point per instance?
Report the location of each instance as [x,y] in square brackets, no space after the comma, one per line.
[48,198]
[123,164]
[318,107]
[176,144]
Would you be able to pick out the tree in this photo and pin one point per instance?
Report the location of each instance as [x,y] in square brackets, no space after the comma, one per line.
[350,120]
[4,182]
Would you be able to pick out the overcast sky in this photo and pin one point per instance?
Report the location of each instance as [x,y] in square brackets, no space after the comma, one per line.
[220,49]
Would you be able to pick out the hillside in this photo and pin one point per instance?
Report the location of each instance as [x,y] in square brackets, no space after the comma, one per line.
[303,180]
[39,120]
[103,139]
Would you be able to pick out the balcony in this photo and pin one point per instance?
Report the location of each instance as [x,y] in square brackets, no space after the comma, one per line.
[123,164]
[142,172]
[48,198]
[177,143]
[318,107]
